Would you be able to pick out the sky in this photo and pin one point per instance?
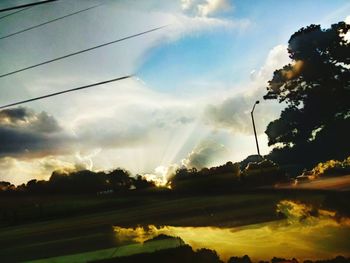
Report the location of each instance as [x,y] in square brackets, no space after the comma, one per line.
[195,82]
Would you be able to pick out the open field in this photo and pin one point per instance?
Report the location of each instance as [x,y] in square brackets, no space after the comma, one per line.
[93,231]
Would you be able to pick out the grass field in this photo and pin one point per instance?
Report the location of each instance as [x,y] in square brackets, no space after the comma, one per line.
[85,229]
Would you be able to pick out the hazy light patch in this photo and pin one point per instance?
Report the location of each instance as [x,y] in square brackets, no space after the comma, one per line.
[162,175]
[301,235]
[177,141]
[19,171]
[206,154]
[87,159]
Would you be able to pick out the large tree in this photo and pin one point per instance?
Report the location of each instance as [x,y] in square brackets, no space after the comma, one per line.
[315,125]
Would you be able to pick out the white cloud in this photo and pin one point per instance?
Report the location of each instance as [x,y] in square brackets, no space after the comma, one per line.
[277,57]
[206,8]
[207,153]
[180,25]
[347,20]
[18,171]
[186,4]
[162,174]
[233,112]
[212,6]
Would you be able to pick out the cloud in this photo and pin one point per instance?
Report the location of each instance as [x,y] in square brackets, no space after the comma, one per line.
[182,25]
[120,126]
[206,8]
[13,115]
[129,116]
[25,117]
[233,113]
[162,174]
[213,6]
[208,153]
[50,163]
[276,58]
[123,122]
[26,133]
[347,20]
[22,170]
[186,4]
[131,125]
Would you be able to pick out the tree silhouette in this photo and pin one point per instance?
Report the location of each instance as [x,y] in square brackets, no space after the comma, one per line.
[316,88]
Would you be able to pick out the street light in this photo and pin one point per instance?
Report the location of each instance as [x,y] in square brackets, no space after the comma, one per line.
[256,138]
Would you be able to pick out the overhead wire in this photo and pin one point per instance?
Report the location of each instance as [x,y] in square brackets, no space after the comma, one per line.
[13,13]
[26,5]
[81,51]
[65,91]
[48,22]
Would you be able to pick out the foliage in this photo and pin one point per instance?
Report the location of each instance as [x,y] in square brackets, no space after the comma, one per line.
[261,173]
[6,186]
[332,167]
[244,259]
[316,89]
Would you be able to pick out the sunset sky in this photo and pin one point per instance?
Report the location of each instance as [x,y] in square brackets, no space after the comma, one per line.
[189,102]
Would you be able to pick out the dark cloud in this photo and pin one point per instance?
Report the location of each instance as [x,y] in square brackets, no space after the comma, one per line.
[14,115]
[45,123]
[24,132]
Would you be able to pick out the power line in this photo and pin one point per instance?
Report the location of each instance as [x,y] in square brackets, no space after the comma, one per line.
[2,17]
[65,91]
[48,22]
[79,52]
[26,5]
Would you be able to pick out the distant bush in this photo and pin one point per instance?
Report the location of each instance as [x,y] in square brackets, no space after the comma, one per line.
[228,176]
[215,179]
[338,259]
[244,259]
[183,254]
[81,182]
[6,186]
[283,260]
[332,167]
[265,172]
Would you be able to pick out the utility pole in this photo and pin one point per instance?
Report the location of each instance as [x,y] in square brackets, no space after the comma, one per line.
[256,138]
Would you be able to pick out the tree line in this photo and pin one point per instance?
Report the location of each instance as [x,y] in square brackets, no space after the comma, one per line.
[217,179]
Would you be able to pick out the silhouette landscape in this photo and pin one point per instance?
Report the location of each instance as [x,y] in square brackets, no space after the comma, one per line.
[180,131]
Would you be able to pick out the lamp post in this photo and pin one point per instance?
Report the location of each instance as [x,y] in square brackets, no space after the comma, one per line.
[256,138]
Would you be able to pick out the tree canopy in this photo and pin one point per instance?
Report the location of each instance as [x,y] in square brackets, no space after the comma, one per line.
[316,89]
